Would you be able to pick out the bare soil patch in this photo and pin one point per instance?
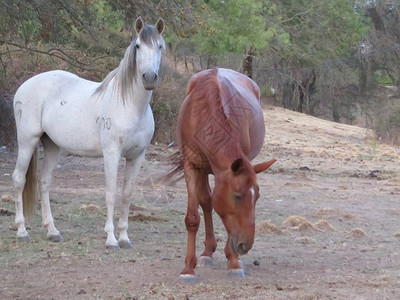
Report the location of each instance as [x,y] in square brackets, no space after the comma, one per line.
[336,179]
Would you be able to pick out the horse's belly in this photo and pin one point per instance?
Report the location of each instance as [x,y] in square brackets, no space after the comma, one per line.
[73,130]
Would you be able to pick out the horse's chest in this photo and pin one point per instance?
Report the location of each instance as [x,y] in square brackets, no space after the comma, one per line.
[130,137]
[136,140]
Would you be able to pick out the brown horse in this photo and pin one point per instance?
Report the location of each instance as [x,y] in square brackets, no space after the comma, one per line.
[220,129]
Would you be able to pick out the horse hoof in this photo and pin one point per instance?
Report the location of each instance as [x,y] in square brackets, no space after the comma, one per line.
[187,278]
[112,247]
[242,265]
[236,273]
[55,238]
[24,238]
[125,244]
[205,261]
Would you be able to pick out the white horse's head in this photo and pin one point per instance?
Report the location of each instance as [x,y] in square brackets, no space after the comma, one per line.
[148,45]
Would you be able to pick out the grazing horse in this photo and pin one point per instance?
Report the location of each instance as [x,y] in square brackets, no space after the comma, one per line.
[220,129]
[112,119]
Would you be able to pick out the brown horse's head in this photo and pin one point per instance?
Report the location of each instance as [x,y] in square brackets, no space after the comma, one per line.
[234,199]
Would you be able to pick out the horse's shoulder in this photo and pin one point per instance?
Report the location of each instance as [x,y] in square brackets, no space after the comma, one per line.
[200,78]
[190,86]
[235,81]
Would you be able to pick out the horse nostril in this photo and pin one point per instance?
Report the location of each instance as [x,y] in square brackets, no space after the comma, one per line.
[150,77]
[242,248]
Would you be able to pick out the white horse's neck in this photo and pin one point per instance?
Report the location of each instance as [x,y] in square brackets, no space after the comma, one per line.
[133,104]
[141,99]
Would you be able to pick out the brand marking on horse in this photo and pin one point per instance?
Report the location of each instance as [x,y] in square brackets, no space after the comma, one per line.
[18,113]
[212,135]
[237,109]
[105,123]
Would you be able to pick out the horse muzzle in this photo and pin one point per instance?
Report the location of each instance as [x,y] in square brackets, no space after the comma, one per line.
[150,80]
[240,247]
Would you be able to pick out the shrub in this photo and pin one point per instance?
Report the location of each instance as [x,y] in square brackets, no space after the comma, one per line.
[165,104]
[7,123]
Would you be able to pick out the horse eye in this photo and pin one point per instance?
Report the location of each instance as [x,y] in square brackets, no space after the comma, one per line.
[160,47]
[237,197]
[137,46]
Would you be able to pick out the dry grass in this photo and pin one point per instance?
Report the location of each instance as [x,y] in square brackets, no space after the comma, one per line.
[139,217]
[305,240]
[92,209]
[298,223]
[357,233]
[328,213]
[7,198]
[324,225]
[266,227]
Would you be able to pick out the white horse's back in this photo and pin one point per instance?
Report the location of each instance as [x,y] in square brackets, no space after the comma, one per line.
[61,105]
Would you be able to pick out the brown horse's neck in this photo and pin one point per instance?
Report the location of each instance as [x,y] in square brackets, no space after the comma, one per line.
[225,156]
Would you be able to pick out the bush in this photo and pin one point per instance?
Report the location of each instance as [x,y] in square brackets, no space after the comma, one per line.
[165,104]
[387,124]
[386,115]
[7,123]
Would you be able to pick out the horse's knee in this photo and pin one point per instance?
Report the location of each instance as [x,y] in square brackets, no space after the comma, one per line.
[44,184]
[111,198]
[126,198]
[192,221]
[19,180]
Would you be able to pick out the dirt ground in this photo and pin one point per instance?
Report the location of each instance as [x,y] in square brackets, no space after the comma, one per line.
[327,226]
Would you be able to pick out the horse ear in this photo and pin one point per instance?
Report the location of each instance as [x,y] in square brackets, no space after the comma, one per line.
[263,166]
[139,25]
[160,26]
[237,166]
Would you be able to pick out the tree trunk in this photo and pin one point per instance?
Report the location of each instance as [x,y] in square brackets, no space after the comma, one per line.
[247,63]
[297,92]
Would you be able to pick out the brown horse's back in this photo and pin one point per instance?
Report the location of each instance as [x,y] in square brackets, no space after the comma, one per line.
[220,113]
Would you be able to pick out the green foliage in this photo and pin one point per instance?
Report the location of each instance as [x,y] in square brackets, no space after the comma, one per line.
[303,33]
[230,26]
[108,17]
[383,78]
[59,22]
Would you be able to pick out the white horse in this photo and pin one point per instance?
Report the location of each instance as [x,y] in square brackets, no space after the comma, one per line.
[112,119]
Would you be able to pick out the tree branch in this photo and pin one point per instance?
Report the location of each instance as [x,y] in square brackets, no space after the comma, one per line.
[54,52]
[296,15]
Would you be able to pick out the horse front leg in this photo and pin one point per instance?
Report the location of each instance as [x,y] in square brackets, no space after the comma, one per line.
[235,266]
[192,221]
[210,244]
[111,162]
[132,168]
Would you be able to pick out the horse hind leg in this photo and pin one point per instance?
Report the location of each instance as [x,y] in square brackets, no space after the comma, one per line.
[25,189]
[50,160]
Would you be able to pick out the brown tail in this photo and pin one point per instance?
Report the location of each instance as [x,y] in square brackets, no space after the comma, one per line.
[29,193]
[175,174]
